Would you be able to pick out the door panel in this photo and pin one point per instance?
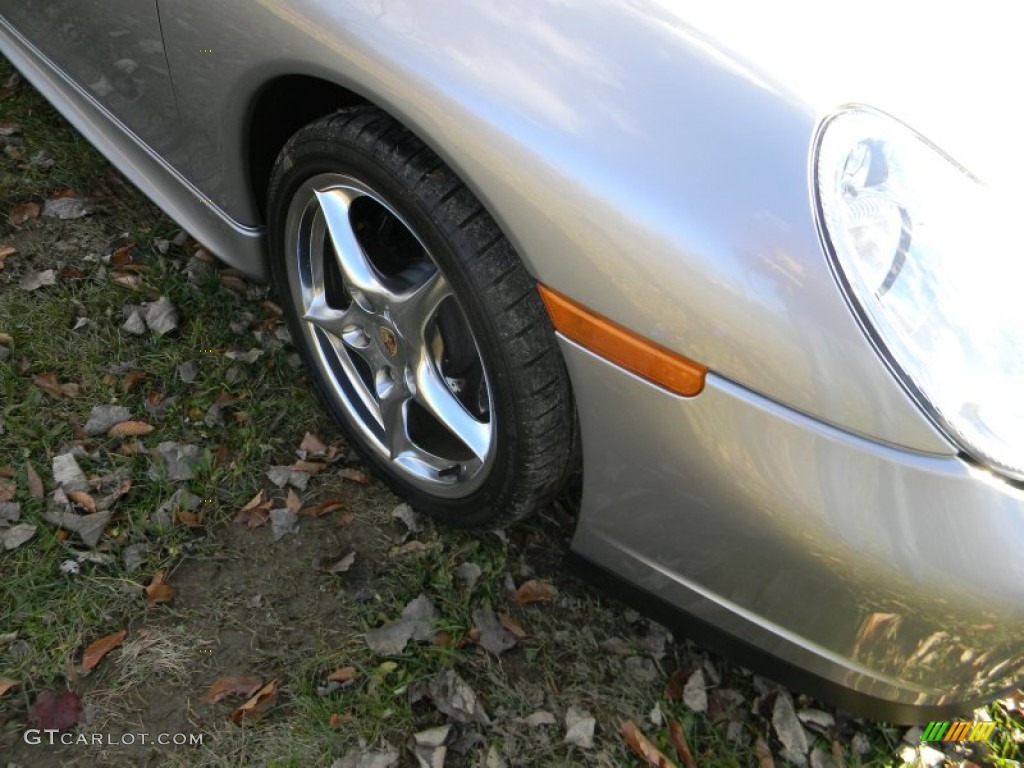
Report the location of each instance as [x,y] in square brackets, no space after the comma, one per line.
[114,50]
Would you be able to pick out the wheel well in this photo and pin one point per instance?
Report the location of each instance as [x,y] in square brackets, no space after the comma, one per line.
[281,108]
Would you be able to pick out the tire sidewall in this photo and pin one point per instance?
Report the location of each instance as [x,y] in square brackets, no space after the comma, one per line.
[303,160]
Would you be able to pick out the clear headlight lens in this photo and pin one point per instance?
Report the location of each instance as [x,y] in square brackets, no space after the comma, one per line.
[937,274]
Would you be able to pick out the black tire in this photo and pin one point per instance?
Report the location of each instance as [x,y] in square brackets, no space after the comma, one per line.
[528,415]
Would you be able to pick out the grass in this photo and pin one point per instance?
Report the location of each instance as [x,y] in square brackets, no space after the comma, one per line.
[578,649]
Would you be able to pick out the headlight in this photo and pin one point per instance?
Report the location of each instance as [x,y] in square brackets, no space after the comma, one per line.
[934,271]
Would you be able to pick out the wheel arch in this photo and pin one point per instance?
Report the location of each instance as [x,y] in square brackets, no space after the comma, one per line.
[277,110]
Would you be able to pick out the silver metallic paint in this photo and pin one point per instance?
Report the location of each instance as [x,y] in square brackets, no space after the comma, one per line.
[646,171]
[883,570]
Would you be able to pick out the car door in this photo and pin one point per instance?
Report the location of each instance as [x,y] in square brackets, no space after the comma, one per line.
[114,50]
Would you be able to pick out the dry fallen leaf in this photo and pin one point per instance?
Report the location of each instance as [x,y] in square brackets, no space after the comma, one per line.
[674,688]
[224,687]
[22,212]
[257,704]
[534,591]
[190,519]
[312,467]
[7,250]
[313,446]
[159,591]
[293,502]
[7,489]
[130,429]
[343,675]
[336,720]
[342,565]
[6,685]
[677,738]
[35,483]
[256,512]
[324,507]
[512,625]
[355,475]
[127,280]
[97,650]
[48,382]
[764,754]
[5,338]
[84,500]
[643,747]
[132,380]
[410,547]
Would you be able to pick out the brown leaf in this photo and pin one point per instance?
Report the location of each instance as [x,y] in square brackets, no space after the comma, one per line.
[256,512]
[355,475]
[342,565]
[22,212]
[674,688]
[7,250]
[257,704]
[6,685]
[323,508]
[442,639]
[232,686]
[512,625]
[343,675]
[48,383]
[36,489]
[411,546]
[643,747]
[130,429]
[7,489]
[159,591]
[337,720]
[127,280]
[6,338]
[534,591]
[312,467]
[191,519]
[132,380]
[764,754]
[97,650]
[677,738]
[7,472]
[293,502]
[233,282]
[313,446]
[83,499]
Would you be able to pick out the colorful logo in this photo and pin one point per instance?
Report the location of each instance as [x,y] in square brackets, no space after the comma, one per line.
[958,730]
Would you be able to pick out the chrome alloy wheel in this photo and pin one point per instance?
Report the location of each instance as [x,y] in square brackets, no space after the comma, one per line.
[389,335]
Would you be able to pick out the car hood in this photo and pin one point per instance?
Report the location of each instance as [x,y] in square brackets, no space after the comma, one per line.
[947,72]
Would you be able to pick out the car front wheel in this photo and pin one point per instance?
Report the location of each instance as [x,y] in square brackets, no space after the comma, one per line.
[423,333]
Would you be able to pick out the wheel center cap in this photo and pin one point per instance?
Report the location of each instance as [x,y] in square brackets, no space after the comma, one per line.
[387,336]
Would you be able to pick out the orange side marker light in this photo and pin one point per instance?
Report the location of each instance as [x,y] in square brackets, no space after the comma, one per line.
[626,349]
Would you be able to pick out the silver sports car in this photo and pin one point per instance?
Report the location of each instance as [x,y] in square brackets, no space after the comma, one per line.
[748,269]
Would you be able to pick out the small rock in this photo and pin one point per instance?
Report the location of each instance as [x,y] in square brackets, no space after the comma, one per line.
[134,325]
[860,744]
[642,669]
[33,281]
[657,717]
[188,371]
[67,208]
[579,728]
[695,694]
[539,718]
[468,574]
